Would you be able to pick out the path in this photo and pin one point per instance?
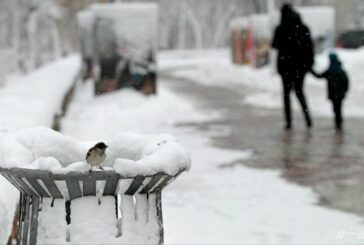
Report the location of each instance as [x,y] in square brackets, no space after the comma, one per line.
[331,164]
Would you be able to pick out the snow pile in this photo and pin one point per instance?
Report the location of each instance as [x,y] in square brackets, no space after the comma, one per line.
[30,101]
[36,147]
[129,154]
[33,100]
[140,154]
[125,111]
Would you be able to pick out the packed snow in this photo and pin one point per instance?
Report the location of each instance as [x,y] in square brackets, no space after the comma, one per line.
[128,154]
[29,101]
[264,84]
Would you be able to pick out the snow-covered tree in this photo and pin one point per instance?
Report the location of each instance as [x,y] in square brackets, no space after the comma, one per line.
[43,33]
[30,29]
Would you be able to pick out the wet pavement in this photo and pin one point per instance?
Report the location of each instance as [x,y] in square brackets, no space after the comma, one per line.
[329,163]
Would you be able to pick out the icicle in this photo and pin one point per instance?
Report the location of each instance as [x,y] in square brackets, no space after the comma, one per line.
[40,204]
[68,220]
[100,185]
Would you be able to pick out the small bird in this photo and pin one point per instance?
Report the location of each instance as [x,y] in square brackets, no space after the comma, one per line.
[96,155]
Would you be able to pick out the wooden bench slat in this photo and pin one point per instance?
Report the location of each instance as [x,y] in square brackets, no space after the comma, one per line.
[73,187]
[44,174]
[14,183]
[151,183]
[81,183]
[52,188]
[89,187]
[27,186]
[110,186]
[37,187]
[162,184]
[20,183]
[137,182]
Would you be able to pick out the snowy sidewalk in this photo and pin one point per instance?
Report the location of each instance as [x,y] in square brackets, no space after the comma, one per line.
[213,203]
[329,163]
[31,101]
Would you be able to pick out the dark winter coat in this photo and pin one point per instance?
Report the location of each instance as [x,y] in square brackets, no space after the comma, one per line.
[337,79]
[293,41]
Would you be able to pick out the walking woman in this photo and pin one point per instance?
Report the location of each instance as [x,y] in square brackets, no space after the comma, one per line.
[293,41]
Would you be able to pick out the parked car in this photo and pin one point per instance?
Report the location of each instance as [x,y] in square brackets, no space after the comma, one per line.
[350,39]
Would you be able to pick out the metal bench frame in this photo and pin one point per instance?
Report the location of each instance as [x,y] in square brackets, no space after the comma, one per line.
[34,185]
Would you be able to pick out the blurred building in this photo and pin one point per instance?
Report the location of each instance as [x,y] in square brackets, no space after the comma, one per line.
[251,35]
[344,13]
[202,23]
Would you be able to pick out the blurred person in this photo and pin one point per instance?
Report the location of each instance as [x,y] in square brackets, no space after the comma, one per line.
[337,86]
[293,41]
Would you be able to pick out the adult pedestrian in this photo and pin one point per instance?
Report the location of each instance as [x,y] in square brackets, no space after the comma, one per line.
[293,41]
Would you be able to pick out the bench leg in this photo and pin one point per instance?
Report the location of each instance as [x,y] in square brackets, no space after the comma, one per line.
[28,219]
[160,216]
[34,221]
[23,232]
[21,216]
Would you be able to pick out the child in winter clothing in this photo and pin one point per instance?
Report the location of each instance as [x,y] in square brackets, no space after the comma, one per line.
[337,86]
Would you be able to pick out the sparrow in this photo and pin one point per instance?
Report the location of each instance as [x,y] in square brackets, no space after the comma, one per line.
[96,155]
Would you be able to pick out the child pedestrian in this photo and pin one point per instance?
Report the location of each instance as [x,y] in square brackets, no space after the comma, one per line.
[337,86]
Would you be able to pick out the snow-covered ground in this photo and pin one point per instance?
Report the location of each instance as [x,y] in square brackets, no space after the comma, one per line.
[212,203]
[30,101]
[214,67]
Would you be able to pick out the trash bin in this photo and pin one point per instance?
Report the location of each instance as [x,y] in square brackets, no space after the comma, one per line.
[60,201]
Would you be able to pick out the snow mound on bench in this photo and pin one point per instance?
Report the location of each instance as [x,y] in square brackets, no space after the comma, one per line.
[128,154]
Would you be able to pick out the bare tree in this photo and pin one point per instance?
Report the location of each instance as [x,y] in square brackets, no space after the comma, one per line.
[260,6]
[43,34]
[358,14]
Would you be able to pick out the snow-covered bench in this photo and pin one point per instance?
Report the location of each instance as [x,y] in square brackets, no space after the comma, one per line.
[60,201]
